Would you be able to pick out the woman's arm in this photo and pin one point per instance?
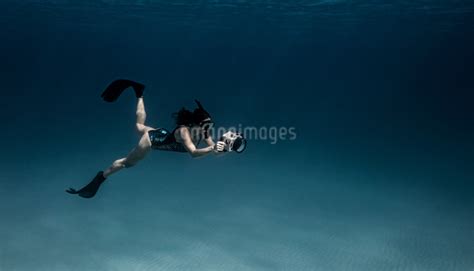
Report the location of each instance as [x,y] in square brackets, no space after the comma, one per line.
[190,147]
[218,148]
[209,141]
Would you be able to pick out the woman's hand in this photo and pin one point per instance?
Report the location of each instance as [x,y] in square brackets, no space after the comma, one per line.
[219,146]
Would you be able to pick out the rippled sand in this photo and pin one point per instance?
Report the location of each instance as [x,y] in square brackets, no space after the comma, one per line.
[323,223]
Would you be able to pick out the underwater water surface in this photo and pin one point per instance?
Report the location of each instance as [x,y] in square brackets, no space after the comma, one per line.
[379,176]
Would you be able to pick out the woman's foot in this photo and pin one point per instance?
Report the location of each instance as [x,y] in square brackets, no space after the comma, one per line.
[90,189]
[139,89]
[115,89]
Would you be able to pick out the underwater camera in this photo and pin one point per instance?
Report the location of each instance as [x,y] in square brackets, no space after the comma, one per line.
[233,142]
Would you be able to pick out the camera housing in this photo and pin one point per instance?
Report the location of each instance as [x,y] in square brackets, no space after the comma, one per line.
[234,142]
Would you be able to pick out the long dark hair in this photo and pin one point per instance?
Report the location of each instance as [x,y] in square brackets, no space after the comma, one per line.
[188,118]
[183,117]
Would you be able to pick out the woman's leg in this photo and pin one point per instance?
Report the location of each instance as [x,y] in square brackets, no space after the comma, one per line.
[137,154]
[144,145]
[141,118]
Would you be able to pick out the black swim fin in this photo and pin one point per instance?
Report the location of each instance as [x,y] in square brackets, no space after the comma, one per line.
[91,189]
[115,89]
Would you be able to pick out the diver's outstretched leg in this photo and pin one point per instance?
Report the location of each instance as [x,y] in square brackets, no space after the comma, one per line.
[137,154]
[115,89]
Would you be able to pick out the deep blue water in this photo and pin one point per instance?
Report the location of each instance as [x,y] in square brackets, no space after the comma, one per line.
[379,176]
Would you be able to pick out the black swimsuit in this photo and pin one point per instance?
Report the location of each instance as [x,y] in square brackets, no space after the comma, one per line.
[161,139]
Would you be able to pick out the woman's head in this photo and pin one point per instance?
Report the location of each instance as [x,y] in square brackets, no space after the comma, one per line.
[183,117]
[198,117]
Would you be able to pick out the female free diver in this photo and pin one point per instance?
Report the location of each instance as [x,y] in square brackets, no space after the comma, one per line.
[191,128]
